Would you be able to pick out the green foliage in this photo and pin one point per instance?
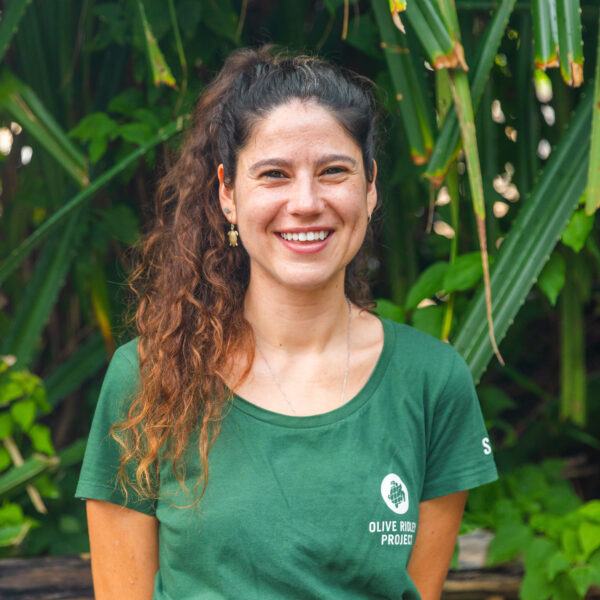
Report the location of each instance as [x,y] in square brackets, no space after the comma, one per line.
[536,516]
[22,397]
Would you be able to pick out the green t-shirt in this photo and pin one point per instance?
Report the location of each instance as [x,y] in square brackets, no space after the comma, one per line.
[318,507]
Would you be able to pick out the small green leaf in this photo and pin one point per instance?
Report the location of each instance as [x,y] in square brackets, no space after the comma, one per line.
[570,543]
[10,390]
[13,533]
[510,540]
[577,230]
[583,576]
[6,425]
[552,277]
[535,586]
[589,537]
[40,437]
[39,397]
[591,510]
[94,125]
[23,413]
[464,273]
[389,310]
[428,284]
[11,514]
[127,102]
[136,133]
[5,460]
[557,564]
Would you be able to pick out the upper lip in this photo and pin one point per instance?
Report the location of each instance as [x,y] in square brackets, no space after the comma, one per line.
[305,229]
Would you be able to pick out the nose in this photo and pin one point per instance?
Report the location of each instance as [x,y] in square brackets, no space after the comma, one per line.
[305,199]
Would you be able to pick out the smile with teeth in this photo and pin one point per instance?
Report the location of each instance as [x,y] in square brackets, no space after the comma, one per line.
[305,236]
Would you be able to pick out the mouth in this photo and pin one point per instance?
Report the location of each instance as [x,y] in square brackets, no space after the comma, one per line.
[305,236]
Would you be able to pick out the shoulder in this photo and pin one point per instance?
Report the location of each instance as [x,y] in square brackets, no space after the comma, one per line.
[121,380]
[427,365]
[127,353]
[419,348]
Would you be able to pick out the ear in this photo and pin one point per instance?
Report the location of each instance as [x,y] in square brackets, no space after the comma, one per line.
[226,197]
[372,191]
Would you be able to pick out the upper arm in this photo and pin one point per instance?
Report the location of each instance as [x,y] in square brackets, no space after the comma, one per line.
[124,549]
[439,522]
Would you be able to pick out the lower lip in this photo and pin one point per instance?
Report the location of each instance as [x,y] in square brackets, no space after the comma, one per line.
[305,247]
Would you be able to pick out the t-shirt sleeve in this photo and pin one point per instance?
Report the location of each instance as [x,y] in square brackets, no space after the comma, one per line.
[99,478]
[459,453]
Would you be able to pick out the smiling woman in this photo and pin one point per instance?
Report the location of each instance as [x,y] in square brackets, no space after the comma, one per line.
[341,444]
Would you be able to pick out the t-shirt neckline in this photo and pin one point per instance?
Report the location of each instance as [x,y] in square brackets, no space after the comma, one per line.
[337,414]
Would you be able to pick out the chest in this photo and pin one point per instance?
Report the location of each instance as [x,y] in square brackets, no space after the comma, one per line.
[337,502]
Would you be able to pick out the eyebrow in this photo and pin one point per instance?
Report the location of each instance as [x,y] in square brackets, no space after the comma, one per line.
[281,162]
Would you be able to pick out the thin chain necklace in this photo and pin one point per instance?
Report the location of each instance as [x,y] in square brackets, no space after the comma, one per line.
[276,379]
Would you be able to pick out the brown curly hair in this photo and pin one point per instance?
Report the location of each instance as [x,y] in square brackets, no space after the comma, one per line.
[190,285]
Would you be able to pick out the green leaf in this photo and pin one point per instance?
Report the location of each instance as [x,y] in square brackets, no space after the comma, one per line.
[589,537]
[593,182]
[94,125]
[591,510]
[389,310]
[161,74]
[127,102]
[464,273]
[10,390]
[552,277]
[11,514]
[429,319]
[583,576]
[5,460]
[427,285]
[17,477]
[578,230]
[509,541]
[41,293]
[40,437]
[557,564]
[6,425]
[535,586]
[570,543]
[136,133]
[23,413]
[12,534]
[570,45]
[10,22]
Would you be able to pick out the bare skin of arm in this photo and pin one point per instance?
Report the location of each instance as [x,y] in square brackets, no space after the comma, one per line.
[439,522]
[124,549]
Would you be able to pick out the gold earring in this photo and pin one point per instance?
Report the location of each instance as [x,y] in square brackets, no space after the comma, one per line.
[232,236]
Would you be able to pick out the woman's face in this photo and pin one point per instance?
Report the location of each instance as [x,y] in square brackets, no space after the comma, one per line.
[300,198]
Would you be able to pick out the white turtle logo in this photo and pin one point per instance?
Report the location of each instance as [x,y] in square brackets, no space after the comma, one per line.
[394,493]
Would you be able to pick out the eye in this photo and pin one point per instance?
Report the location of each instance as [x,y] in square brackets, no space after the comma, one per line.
[273,174]
[334,170]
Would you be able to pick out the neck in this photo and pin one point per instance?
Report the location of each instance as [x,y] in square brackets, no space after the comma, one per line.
[297,321]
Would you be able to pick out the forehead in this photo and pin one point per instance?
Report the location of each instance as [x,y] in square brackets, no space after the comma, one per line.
[298,127]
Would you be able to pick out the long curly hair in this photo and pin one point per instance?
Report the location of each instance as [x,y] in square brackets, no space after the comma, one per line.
[190,285]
